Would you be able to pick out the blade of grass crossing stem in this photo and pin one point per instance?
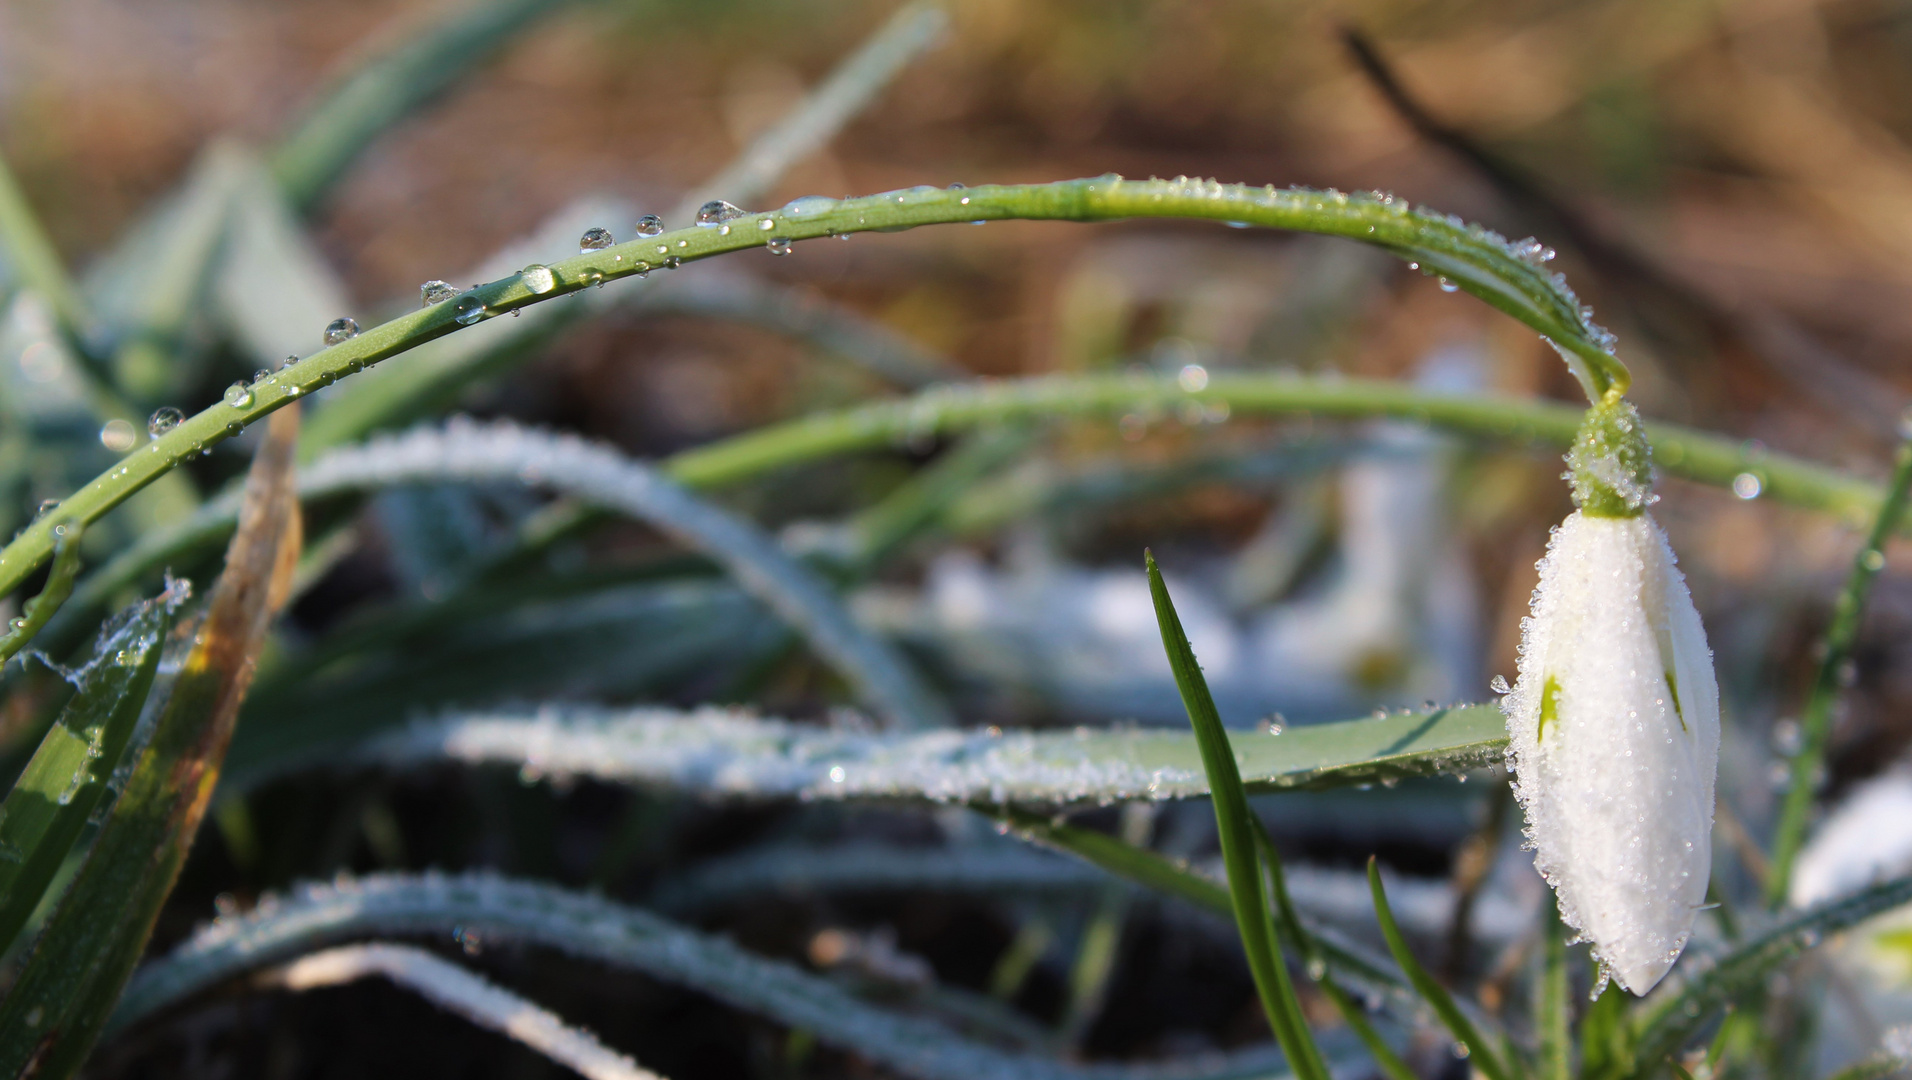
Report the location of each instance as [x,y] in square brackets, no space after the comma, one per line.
[390,85]
[1551,1007]
[1478,1050]
[1816,721]
[66,779]
[1235,824]
[35,613]
[1316,964]
[72,978]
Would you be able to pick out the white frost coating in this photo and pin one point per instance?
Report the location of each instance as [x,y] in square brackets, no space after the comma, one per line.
[1866,840]
[731,752]
[1618,787]
[464,450]
[471,996]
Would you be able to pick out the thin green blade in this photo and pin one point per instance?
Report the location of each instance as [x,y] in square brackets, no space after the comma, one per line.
[67,777]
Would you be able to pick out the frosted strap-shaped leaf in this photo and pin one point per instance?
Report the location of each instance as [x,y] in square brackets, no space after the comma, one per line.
[471,996]
[732,753]
[317,916]
[597,474]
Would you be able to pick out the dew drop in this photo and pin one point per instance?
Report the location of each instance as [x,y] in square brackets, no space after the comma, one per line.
[1192,378]
[1747,485]
[809,204]
[1447,286]
[538,278]
[340,330]
[650,225]
[237,395]
[290,362]
[778,245]
[716,212]
[435,292]
[1873,560]
[595,238]
[468,310]
[164,419]
[118,435]
[260,376]
[673,263]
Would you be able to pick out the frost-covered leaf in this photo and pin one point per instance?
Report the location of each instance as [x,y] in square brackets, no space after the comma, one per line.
[735,754]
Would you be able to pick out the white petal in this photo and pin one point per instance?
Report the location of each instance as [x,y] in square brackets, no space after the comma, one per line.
[1618,786]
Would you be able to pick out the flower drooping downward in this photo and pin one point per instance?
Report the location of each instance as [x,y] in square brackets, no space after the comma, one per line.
[1614,721]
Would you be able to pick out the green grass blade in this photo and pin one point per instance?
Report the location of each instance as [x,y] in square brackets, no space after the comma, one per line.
[35,262]
[316,916]
[70,980]
[1881,1066]
[1480,1053]
[388,87]
[1315,960]
[1683,452]
[1236,826]
[1552,1008]
[67,777]
[1815,723]
[920,501]
[1666,1021]
[37,612]
[824,111]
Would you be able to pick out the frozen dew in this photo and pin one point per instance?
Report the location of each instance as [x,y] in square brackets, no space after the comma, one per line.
[1747,485]
[1788,738]
[595,238]
[341,330]
[538,278]
[468,310]
[1499,686]
[435,292]
[778,245]
[650,225]
[164,419]
[716,212]
[118,435]
[237,395]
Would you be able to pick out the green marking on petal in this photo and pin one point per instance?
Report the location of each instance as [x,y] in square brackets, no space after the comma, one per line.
[1673,688]
[1549,705]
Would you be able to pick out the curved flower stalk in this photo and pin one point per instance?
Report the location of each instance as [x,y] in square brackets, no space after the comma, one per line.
[1614,722]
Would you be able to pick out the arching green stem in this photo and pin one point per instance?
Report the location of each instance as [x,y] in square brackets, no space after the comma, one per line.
[1470,257]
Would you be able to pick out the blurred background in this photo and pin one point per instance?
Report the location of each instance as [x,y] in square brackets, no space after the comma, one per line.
[1728,183]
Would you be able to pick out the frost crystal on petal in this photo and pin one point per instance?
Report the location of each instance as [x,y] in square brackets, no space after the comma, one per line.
[1617,784]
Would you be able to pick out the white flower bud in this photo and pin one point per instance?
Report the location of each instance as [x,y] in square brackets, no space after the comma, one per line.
[1614,736]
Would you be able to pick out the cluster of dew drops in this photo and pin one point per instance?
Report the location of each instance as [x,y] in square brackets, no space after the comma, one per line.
[468,308]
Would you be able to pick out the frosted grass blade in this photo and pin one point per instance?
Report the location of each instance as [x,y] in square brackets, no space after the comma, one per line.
[471,996]
[318,916]
[1665,1021]
[738,755]
[67,777]
[881,677]
[70,980]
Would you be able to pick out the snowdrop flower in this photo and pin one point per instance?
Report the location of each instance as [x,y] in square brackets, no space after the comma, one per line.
[1614,721]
